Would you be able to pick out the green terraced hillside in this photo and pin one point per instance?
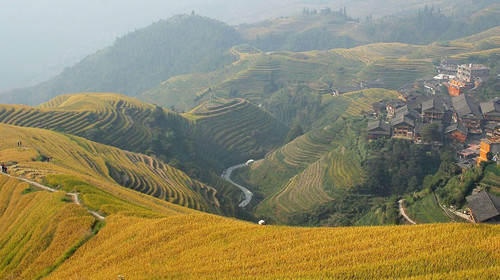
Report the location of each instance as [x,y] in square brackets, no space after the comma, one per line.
[311,170]
[235,131]
[261,77]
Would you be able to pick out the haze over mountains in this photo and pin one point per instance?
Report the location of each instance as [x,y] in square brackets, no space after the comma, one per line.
[196,148]
[44,38]
[140,60]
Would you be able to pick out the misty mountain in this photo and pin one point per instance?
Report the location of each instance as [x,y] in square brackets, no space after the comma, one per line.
[142,59]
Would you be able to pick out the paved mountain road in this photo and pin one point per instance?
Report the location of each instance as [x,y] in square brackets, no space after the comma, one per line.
[226,175]
[403,213]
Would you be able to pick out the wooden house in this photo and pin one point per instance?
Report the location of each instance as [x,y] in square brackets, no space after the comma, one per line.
[392,106]
[457,132]
[468,113]
[403,127]
[492,129]
[433,109]
[409,112]
[484,207]
[378,129]
[491,110]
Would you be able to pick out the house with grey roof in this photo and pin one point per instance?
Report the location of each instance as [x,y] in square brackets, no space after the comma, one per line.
[433,109]
[492,129]
[378,129]
[457,132]
[484,207]
[402,127]
[491,109]
[409,112]
[468,113]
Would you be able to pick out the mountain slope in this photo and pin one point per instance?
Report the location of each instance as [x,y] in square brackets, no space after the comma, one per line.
[235,130]
[129,124]
[71,155]
[53,229]
[208,247]
[200,145]
[141,59]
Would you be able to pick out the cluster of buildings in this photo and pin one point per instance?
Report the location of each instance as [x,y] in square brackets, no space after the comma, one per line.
[457,118]
[468,77]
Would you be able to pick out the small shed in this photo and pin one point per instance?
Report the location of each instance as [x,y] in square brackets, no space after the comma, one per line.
[484,207]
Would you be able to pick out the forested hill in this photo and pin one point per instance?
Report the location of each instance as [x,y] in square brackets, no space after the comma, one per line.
[430,25]
[140,60]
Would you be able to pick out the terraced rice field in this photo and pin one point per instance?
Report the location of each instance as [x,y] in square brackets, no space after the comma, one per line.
[437,50]
[343,169]
[237,128]
[398,72]
[361,101]
[250,83]
[74,155]
[305,173]
[308,148]
[368,54]
[303,192]
[112,118]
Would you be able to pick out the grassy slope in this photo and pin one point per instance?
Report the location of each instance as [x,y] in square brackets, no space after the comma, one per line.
[208,247]
[100,163]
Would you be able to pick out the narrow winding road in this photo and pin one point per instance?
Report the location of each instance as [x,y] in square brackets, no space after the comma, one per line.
[226,175]
[74,196]
[403,213]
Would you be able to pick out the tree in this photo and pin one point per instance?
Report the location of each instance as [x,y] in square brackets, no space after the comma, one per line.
[294,132]
[430,133]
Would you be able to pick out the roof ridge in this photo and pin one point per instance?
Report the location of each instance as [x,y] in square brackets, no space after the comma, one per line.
[492,202]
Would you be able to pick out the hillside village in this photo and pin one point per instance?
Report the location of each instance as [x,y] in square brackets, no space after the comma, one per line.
[424,115]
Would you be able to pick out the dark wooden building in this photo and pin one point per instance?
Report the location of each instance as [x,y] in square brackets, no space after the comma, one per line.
[484,207]
[378,129]
[468,113]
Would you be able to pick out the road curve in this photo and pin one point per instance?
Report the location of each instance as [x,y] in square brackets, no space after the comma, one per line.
[402,212]
[226,175]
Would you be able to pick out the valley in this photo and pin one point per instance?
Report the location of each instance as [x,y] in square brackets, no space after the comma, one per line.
[315,146]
